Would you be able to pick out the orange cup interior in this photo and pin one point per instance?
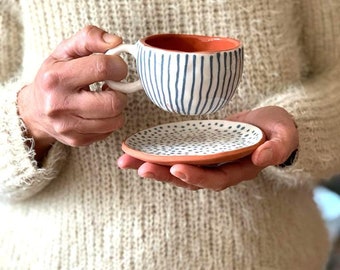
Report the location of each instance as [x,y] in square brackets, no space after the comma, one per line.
[191,43]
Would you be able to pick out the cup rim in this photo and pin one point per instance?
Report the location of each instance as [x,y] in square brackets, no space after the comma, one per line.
[236,43]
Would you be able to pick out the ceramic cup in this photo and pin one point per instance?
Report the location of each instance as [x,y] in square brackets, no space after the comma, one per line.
[185,74]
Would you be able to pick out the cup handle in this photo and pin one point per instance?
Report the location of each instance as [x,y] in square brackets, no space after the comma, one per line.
[120,86]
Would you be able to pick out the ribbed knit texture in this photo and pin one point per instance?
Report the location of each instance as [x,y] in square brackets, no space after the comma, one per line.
[82,212]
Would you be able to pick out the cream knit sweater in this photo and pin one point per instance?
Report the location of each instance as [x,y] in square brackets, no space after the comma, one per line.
[79,211]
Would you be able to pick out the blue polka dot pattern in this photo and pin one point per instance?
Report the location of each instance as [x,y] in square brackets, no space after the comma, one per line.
[191,138]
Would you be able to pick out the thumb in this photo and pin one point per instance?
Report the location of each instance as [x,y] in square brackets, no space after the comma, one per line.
[89,40]
[269,153]
[280,131]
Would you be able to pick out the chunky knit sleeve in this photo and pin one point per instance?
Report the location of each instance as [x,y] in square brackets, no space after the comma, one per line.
[315,101]
[20,177]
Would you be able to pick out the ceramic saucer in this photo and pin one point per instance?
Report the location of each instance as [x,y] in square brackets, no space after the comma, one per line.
[199,142]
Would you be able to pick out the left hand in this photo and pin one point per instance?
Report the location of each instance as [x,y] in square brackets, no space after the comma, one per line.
[282,139]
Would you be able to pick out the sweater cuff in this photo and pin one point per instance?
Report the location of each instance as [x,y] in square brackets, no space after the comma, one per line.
[290,160]
[20,177]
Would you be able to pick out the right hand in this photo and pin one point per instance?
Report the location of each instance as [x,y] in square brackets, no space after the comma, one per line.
[58,104]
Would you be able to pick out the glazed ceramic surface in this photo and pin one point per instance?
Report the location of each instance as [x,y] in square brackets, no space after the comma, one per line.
[201,142]
[186,74]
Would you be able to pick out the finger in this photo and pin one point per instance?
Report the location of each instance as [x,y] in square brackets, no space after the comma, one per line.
[128,162]
[99,105]
[162,174]
[77,126]
[216,178]
[282,141]
[87,105]
[76,140]
[90,39]
[273,152]
[87,70]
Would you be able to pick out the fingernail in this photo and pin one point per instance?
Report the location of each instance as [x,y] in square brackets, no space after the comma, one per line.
[120,163]
[266,157]
[109,38]
[178,174]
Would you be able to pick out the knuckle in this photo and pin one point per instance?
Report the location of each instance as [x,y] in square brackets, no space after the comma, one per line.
[48,84]
[49,107]
[101,69]
[69,138]
[77,142]
[88,31]
[53,105]
[87,36]
[49,80]
[113,104]
[60,128]
[118,103]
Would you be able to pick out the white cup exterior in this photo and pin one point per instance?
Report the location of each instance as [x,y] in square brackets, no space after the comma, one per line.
[188,83]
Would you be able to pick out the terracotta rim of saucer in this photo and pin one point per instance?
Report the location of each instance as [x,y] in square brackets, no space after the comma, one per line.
[181,142]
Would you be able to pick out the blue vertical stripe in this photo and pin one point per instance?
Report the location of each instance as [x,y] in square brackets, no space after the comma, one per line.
[150,73]
[240,66]
[160,89]
[232,85]
[193,84]
[211,76]
[151,78]
[177,82]
[237,73]
[169,85]
[216,92]
[201,85]
[230,75]
[156,89]
[222,96]
[182,110]
[144,71]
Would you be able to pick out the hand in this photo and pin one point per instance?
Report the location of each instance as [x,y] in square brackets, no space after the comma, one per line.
[282,140]
[58,104]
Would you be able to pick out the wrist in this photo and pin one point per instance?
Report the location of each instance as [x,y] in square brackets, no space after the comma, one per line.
[36,138]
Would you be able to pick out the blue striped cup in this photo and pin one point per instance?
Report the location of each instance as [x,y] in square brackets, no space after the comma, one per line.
[185,74]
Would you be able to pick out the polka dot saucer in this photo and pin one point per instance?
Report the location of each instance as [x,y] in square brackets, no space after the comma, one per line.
[198,142]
